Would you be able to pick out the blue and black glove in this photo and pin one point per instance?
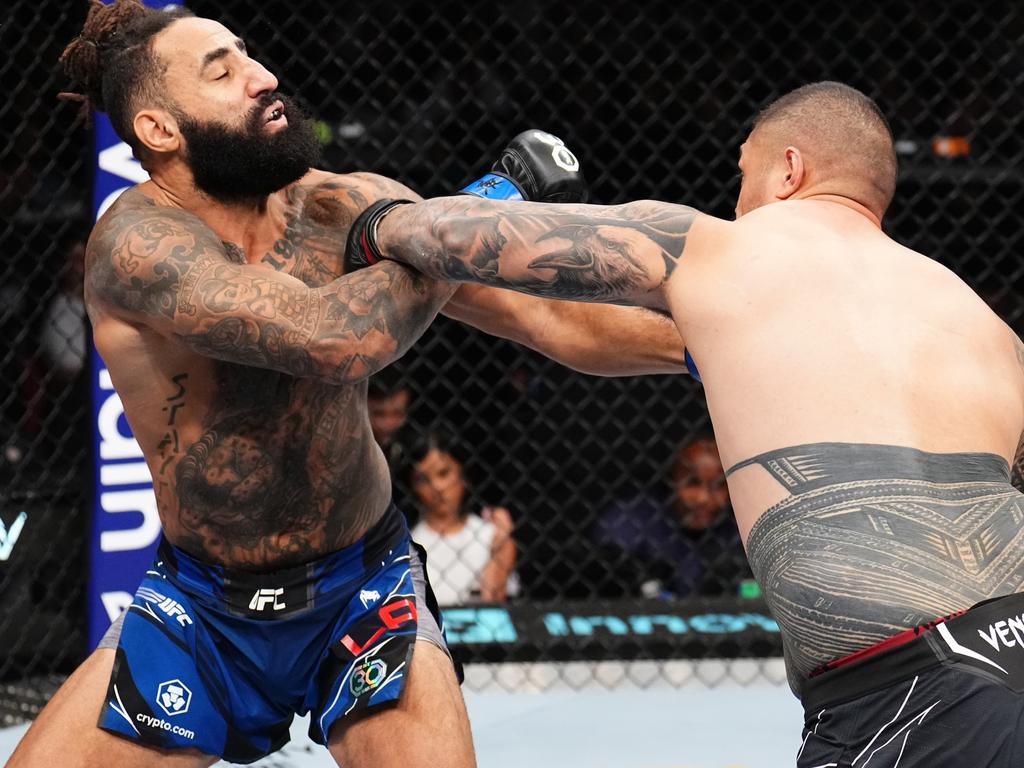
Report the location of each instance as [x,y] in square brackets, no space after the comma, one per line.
[534,166]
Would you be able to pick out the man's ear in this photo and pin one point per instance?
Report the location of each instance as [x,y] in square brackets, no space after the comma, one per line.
[157,130]
[794,177]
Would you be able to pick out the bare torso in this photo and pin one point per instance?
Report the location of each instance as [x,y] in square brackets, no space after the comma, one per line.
[252,467]
[870,406]
[868,402]
[810,325]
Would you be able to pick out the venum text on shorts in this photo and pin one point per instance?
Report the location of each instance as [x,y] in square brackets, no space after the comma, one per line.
[1008,633]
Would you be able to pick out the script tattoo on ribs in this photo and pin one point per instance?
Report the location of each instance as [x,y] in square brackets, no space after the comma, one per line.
[567,251]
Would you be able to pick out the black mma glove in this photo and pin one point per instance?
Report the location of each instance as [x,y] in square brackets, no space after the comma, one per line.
[361,246]
[534,166]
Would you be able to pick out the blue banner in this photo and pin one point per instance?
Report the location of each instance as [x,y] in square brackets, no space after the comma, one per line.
[125,521]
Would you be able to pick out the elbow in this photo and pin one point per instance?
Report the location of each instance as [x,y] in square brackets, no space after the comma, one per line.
[351,366]
[452,242]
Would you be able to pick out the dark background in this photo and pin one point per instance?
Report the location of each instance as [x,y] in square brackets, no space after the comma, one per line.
[654,97]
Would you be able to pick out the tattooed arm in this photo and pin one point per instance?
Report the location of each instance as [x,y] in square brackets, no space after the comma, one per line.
[165,269]
[614,254]
[574,334]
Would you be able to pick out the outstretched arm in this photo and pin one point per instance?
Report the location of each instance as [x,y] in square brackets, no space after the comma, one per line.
[599,339]
[614,254]
[165,269]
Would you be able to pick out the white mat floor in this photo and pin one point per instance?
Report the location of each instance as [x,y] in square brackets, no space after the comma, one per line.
[728,726]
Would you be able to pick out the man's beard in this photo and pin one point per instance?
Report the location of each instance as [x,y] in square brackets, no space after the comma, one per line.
[235,165]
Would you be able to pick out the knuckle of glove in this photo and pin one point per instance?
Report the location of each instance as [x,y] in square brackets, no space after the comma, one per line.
[545,169]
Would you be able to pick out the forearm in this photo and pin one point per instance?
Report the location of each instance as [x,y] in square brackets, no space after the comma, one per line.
[166,270]
[342,332]
[495,576]
[597,339]
[372,317]
[610,340]
[618,254]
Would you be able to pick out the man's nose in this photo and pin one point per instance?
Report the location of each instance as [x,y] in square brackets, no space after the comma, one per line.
[261,80]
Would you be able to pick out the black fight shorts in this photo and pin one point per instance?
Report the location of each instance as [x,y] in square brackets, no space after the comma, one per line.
[949,694]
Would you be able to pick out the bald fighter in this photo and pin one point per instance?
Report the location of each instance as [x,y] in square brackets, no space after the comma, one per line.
[285,581]
[868,403]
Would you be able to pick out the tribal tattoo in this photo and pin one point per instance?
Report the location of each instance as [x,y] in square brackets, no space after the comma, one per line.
[878,539]
[619,254]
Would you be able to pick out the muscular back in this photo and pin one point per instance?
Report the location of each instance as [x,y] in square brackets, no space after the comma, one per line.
[869,403]
[810,325]
[243,370]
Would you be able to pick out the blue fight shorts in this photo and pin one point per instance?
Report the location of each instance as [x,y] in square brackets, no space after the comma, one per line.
[219,660]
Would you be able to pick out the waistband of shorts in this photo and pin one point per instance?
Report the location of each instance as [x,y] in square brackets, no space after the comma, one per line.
[283,593]
[916,650]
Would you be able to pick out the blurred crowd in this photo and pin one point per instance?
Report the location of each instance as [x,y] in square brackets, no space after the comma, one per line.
[674,539]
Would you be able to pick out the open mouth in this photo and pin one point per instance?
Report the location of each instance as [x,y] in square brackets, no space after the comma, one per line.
[276,112]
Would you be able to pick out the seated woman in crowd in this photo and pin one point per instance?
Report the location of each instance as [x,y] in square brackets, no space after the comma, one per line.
[470,557]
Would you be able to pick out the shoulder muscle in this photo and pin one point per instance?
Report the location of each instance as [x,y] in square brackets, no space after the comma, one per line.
[140,260]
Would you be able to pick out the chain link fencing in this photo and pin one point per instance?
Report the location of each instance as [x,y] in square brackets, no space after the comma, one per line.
[655,99]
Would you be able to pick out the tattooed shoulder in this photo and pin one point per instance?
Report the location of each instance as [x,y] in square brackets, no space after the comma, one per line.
[374,187]
[138,256]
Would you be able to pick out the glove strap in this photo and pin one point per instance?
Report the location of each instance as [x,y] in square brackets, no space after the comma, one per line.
[368,237]
[494,186]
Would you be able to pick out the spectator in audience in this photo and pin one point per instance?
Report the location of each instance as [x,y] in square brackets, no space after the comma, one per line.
[63,334]
[470,557]
[57,362]
[687,546]
[388,398]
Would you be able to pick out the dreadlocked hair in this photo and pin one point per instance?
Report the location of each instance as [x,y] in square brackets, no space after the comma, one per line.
[111,64]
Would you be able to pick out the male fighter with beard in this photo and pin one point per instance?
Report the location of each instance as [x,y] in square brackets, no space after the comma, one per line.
[285,581]
[869,403]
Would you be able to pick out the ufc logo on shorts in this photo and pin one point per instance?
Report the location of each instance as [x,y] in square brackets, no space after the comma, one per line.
[267,597]
[169,606]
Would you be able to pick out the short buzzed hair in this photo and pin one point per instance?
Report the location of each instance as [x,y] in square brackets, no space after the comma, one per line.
[848,132]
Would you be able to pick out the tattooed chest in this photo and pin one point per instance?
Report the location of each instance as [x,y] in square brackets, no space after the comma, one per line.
[275,463]
[312,244]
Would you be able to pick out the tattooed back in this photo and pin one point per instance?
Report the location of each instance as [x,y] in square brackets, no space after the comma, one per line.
[242,365]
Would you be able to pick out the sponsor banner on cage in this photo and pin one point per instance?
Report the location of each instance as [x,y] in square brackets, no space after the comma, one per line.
[724,628]
[125,523]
